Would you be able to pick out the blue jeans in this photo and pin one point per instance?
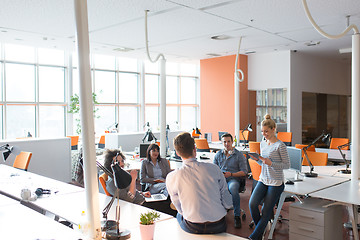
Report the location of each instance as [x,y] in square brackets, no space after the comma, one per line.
[270,196]
[201,228]
[234,185]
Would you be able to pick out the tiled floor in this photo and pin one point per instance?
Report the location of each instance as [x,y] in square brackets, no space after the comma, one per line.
[282,228]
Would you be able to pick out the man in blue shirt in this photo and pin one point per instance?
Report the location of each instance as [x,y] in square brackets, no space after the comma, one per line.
[234,167]
[198,190]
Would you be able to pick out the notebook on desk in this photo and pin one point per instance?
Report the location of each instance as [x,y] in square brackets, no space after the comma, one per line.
[156,197]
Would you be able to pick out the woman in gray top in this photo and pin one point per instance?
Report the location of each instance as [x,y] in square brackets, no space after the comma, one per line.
[154,171]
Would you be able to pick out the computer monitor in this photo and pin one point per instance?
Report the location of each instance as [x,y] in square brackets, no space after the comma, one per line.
[143,149]
[220,135]
[295,155]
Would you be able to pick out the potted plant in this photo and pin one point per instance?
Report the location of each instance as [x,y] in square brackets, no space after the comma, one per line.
[147,224]
[74,107]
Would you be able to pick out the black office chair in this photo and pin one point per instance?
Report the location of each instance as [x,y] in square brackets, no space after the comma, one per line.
[242,189]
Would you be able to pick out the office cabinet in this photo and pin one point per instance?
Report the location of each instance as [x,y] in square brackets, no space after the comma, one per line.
[313,219]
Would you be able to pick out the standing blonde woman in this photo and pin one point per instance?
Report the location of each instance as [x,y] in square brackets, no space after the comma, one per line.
[274,158]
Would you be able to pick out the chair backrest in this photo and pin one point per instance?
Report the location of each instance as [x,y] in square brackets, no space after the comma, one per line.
[74,142]
[316,159]
[255,169]
[202,144]
[245,137]
[301,146]
[285,137]
[101,142]
[22,160]
[103,178]
[335,142]
[194,134]
[254,147]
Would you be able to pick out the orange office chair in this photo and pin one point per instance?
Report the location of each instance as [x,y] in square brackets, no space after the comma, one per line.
[22,160]
[285,137]
[101,142]
[335,142]
[196,133]
[246,136]
[103,178]
[255,172]
[255,169]
[74,142]
[254,147]
[301,146]
[316,158]
[202,145]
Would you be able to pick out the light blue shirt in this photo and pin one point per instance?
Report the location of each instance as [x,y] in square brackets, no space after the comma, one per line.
[157,170]
[234,163]
[199,191]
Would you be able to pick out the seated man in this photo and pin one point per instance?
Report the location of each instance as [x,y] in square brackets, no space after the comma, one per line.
[198,190]
[234,167]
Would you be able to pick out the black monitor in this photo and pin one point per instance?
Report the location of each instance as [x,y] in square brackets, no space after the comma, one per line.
[220,135]
[143,149]
[295,155]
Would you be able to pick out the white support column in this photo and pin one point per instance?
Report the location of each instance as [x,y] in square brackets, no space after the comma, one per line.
[87,121]
[237,110]
[142,96]
[163,145]
[355,111]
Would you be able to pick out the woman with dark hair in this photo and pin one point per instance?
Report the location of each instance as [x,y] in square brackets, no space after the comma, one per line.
[154,170]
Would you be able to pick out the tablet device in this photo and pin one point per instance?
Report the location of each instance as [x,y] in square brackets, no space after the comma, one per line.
[254,154]
[156,197]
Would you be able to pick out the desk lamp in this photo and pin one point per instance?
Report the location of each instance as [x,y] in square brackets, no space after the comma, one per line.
[196,132]
[248,128]
[7,150]
[149,136]
[347,163]
[122,179]
[325,139]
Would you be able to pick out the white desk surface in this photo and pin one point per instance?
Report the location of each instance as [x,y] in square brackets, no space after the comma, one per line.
[4,201]
[20,222]
[347,192]
[310,185]
[170,229]
[70,206]
[335,153]
[219,146]
[332,171]
[13,180]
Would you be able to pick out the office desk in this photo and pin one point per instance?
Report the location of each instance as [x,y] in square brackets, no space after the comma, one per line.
[20,222]
[170,229]
[216,146]
[13,180]
[4,201]
[334,154]
[304,188]
[332,171]
[70,206]
[347,194]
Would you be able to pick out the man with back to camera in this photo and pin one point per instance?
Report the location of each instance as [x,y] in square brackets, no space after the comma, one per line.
[198,190]
[234,167]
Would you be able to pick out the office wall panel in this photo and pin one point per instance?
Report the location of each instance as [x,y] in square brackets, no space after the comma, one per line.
[217,95]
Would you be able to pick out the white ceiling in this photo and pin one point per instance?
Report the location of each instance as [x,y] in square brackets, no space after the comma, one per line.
[182,29]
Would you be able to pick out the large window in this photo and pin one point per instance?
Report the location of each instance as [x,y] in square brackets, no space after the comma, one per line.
[37,86]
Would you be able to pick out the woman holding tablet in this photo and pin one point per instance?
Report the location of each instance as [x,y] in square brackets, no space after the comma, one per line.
[273,159]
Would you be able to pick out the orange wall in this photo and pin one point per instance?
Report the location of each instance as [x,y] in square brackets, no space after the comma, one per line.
[217,95]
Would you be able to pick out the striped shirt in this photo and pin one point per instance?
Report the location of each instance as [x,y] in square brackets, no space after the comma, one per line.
[273,175]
